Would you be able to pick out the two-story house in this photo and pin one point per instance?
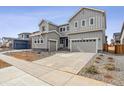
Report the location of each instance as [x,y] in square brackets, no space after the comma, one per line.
[116,38]
[84,32]
[22,42]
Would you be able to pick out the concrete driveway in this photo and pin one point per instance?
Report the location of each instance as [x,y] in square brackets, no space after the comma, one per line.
[68,62]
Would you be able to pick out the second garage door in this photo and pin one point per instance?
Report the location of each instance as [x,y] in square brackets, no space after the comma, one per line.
[88,45]
[52,46]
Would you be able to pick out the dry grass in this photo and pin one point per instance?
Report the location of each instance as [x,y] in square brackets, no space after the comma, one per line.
[92,70]
[3,64]
[28,55]
[108,76]
[98,58]
[110,67]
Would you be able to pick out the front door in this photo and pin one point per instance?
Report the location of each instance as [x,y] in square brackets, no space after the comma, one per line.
[64,41]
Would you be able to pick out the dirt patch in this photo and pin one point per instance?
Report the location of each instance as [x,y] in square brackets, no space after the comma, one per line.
[29,55]
[106,68]
[4,49]
[3,64]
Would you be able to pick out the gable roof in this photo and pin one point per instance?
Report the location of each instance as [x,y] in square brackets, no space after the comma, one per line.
[49,22]
[93,9]
[122,29]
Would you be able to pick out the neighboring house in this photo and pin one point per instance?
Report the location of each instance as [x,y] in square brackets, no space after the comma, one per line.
[116,38]
[122,35]
[85,32]
[22,42]
[112,42]
[24,36]
[7,42]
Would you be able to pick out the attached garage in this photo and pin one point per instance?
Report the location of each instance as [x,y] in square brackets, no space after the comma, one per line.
[85,45]
[53,45]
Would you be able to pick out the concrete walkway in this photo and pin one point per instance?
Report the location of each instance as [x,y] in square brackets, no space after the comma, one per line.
[51,75]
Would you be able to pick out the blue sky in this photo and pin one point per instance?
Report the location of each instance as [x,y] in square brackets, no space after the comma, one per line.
[14,20]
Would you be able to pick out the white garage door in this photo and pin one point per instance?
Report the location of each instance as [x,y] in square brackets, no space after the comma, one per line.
[88,45]
[52,46]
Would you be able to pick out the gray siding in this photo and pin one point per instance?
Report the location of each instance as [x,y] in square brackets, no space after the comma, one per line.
[45,24]
[99,19]
[64,33]
[52,27]
[45,38]
[39,45]
[55,36]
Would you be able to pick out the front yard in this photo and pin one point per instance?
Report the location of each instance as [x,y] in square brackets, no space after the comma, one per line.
[104,68]
[29,55]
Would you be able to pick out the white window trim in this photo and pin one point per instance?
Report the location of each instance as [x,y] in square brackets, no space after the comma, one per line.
[93,21]
[81,22]
[74,24]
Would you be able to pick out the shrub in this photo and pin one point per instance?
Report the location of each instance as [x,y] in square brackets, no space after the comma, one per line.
[108,76]
[98,58]
[110,67]
[101,55]
[92,70]
[110,58]
[97,61]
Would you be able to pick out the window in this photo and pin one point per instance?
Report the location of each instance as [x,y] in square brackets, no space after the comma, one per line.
[22,36]
[35,41]
[83,23]
[91,21]
[41,41]
[38,41]
[43,28]
[63,29]
[60,29]
[61,41]
[76,24]
[27,36]
[67,28]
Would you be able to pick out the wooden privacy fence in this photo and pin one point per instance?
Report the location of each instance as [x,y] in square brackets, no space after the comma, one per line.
[119,49]
[116,49]
[105,47]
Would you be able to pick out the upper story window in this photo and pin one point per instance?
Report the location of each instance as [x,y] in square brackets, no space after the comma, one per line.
[27,36]
[67,28]
[63,29]
[75,24]
[22,36]
[60,29]
[83,23]
[91,21]
[41,41]
[43,28]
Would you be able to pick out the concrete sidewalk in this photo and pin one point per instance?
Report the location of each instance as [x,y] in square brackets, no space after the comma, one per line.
[50,75]
[11,76]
